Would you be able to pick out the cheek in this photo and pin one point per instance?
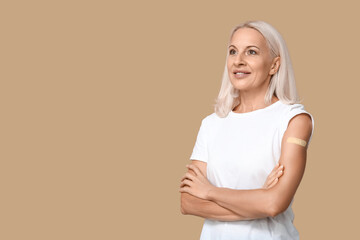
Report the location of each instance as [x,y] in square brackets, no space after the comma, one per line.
[228,62]
[228,65]
[261,67]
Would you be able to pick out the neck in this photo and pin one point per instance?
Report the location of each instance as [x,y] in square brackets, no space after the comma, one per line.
[251,102]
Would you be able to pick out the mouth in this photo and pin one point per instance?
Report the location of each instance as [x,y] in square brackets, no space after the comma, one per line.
[241,74]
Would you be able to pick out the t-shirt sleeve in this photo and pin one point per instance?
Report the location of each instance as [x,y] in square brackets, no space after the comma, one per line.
[200,151]
[295,110]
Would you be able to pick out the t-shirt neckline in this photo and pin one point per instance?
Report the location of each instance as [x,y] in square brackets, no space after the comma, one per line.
[257,111]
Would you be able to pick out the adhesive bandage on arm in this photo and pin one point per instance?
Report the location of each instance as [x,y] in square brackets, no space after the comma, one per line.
[296,141]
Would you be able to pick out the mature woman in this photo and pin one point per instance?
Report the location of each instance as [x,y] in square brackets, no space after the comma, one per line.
[258,125]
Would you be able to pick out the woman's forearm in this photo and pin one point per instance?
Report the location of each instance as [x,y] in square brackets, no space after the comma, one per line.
[252,204]
[259,203]
[192,205]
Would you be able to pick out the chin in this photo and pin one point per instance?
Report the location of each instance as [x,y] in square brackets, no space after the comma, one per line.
[241,86]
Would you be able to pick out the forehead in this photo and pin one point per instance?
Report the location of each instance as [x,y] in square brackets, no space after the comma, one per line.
[248,36]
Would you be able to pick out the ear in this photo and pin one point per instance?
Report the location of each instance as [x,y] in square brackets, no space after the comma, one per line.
[275,66]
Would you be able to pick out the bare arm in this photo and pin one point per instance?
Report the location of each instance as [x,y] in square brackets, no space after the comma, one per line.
[191,205]
[260,203]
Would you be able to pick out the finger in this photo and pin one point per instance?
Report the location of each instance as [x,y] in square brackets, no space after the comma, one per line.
[279,173]
[268,182]
[182,182]
[185,189]
[186,182]
[275,173]
[276,167]
[272,174]
[273,183]
[270,178]
[188,175]
[195,169]
[275,170]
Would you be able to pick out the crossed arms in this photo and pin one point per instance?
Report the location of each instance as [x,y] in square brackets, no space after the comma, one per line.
[200,198]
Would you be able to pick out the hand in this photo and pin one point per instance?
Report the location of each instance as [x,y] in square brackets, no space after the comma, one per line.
[196,185]
[274,176]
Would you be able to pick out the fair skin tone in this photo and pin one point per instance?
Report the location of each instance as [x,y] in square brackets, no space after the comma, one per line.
[249,54]
[210,209]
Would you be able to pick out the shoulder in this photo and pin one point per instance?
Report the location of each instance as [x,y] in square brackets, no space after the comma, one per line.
[298,111]
[210,123]
[209,119]
[301,123]
[297,121]
[290,108]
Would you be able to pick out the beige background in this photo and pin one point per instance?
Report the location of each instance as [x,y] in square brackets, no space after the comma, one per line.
[101,102]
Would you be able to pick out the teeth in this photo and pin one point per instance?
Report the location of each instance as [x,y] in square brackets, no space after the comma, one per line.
[240,73]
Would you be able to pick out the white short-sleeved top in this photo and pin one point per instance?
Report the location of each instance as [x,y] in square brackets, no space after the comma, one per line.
[241,150]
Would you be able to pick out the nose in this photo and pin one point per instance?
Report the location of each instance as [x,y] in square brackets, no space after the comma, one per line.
[239,60]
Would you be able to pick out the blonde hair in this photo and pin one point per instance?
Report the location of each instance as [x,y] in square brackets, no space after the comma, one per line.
[282,83]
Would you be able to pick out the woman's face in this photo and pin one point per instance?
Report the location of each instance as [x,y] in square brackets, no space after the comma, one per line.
[249,63]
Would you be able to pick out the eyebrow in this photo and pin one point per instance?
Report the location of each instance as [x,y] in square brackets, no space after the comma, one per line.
[246,47]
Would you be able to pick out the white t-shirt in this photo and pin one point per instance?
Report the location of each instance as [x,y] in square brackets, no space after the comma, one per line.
[240,151]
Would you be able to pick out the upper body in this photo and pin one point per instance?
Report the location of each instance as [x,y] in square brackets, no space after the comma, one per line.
[257,110]
[240,151]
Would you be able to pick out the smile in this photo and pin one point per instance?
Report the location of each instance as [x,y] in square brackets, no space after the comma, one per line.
[240,75]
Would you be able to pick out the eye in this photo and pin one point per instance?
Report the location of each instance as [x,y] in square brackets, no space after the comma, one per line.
[232,51]
[252,52]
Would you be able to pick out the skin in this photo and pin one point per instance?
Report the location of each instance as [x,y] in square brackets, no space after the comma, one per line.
[248,51]
[192,205]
